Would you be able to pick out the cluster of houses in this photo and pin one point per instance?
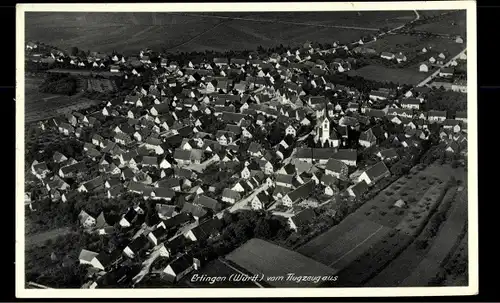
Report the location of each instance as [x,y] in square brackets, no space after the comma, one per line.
[158,147]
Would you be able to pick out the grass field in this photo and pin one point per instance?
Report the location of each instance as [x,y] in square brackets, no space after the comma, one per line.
[130,32]
[386,74]
[261,257]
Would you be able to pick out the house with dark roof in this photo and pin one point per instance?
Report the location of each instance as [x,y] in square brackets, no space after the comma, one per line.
[388,154]
[197,211]
[136,246]
[358,189]
[230,196]
[208,202]
[92,185]
[348,156]
[302,218]
[374,173]
[180,267]
[337,169]
[205,230]
[367,138]
[298,194]
[410,103]
[262,200]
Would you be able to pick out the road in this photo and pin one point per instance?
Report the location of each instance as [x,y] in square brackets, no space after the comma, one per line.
[41,238]
[244,202]
[428,79]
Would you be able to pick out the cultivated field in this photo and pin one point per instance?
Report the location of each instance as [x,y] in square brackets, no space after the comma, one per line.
[386,74]
[261,257]
[130,32]
[101,85]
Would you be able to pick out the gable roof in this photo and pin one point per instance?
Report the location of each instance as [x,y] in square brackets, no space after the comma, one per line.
[346,154]
[302,191]
[377,170]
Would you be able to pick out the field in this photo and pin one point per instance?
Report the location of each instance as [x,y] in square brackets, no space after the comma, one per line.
[386,74]
[446,240]
[412,45]
[453,24]
[130,32]
[457,266]
[261,257]
[368,240]
[40,106]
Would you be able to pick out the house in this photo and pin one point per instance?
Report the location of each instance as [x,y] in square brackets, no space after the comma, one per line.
[230,196]
[330,183]
[432,60]
[261,201]
[158,235]
[180,267]
[92,185]
[459,40]
[58,157]
[367,138]
[400,57]
[378,95]
[436,116]
[255,149]
[96,260]
[136,246]
[298,194]
[451,124]
[461,116]
[86,220]
[290,131]
[197,211]
[128,218]
[348,156]
[447,72]
[162,193]
[388,154]
[423,68]
[387,55]
[337,169]
[302,218]
[410,103]
[40,170]
[358,189]
[208,202]
[453,147]
[374,173]
[205,230]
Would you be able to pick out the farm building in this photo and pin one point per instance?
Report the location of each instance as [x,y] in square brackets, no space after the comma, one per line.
[446,72]
[410,103]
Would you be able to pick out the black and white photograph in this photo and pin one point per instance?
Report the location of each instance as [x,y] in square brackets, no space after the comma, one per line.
[212,150]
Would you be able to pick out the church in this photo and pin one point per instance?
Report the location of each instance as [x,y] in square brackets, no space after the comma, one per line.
[325,132]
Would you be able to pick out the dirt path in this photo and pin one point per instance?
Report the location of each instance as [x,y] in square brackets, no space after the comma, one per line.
[40,238]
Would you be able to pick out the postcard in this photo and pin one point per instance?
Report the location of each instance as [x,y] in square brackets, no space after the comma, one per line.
[207,150]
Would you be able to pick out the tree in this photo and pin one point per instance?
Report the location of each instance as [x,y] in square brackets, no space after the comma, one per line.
[74,51]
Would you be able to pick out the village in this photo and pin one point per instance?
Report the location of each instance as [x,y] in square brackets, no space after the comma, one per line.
[203,138]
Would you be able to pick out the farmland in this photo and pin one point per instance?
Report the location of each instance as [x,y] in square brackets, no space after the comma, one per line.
[379,233]
[261,257]
[386,74]
[129,32]
[453,24]
[39,106]
[100,85]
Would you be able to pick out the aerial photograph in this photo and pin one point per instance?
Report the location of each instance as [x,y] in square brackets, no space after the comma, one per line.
[245,149]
